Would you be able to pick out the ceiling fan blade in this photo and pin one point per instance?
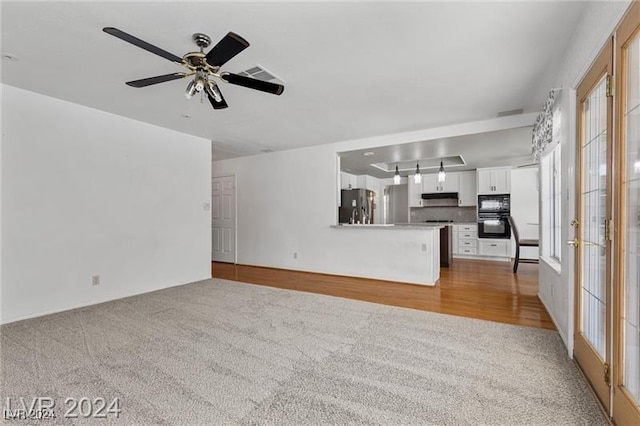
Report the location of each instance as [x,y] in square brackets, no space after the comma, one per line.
[217,105]
[142,44]
[155,80]
[227,48]
[252,83]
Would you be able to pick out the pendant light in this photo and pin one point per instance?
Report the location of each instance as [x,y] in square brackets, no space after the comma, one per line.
[417,177]
[396,176]
[441,173]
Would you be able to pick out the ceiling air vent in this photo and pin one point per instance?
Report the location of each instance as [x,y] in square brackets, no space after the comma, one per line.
[259,72]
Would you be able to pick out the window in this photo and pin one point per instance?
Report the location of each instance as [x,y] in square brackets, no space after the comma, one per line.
[551,202]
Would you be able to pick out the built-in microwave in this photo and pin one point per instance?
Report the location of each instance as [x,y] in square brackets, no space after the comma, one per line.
[494,204]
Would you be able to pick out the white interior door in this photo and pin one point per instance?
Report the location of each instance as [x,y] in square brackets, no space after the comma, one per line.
[223,216]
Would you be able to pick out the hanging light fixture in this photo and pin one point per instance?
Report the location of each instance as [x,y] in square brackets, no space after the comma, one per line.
[396,176]
[441,173]
[417,177]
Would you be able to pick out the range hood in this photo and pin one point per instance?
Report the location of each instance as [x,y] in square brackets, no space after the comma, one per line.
[440,196]
[440,199]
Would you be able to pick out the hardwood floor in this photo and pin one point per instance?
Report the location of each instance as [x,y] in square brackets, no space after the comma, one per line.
[469,288]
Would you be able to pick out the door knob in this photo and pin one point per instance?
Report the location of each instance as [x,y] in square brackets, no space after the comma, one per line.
[575,242]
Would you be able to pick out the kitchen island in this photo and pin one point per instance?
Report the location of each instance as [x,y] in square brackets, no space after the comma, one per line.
[408,253]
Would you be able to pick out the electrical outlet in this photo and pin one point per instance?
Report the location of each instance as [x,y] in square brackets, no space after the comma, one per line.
[206,207]
[95,280]
[295,254]
[424,247]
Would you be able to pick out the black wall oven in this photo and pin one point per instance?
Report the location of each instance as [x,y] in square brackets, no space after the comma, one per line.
[494,226]
[493,213]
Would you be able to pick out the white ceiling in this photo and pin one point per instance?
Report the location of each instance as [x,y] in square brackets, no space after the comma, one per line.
[510,147]
[352,70]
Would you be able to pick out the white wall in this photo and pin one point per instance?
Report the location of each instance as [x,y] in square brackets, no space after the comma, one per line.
[89,193]
[286,203]
[1,139]
[524,208]
[596,26]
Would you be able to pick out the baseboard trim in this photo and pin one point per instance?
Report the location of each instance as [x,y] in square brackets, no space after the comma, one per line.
[305,271]
[93,303]
[555,322]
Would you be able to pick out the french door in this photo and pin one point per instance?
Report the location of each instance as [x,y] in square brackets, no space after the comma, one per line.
[626,378]
[592,337]
[607,322]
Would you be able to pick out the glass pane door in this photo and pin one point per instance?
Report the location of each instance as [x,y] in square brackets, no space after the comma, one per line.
[592,337]
[631,234]
[594,213]
[626,382]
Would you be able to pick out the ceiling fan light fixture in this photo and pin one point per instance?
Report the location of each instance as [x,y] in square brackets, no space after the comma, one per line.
[396,176]
[417,177]
[441,173]
[191,89]
[200,83]
[212,90]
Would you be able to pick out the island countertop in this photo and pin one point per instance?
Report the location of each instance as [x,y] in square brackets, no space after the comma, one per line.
[390,226]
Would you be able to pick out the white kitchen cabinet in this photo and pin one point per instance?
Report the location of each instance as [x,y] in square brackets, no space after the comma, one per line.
[467,192]
[430,183]
[465,239]
[468,251]
[451,183]
[496,180]
[414,192]
[454,237]
[367,182]
[348,181]
[502,180]
[494,248]
[471,227]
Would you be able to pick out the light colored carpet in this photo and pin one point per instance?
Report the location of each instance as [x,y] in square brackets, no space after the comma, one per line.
[219,352]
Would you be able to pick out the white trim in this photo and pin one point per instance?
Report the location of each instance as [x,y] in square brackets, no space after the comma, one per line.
[479,257]
[555,322]
[97,302]
[552,263]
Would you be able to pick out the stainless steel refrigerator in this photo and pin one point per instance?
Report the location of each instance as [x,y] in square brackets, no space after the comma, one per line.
[396,204]
[356,206]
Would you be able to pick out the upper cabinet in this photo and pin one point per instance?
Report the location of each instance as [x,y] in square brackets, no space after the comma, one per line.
[496,180]
[430,183]
[467,192]
[368,182]
[348,181]
[414,192]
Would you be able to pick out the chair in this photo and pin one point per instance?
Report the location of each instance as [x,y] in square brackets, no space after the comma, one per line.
[523,243]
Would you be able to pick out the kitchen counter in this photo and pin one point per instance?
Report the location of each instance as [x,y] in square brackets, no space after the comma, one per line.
[402,253]
[390,226]
[450,223]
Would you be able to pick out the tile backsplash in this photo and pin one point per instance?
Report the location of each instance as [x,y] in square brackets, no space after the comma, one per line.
[457,214]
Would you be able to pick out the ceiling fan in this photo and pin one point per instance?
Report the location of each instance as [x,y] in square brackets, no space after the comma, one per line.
[202,66]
